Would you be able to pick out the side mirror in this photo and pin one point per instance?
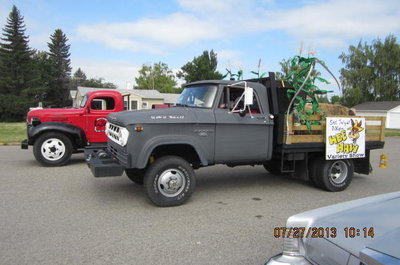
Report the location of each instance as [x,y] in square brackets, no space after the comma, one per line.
[248,96]
[88,109]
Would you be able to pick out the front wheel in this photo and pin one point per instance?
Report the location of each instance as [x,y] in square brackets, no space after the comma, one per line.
[169,181]
[333,175]
[52,149]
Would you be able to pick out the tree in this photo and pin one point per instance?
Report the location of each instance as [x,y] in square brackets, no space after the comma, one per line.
[203,67]
[371,72]
[158,77]
[17,77]
[16,64]
[323,99]
[98,83]
[80,77]
[59,55]
[335,99]
[44,69]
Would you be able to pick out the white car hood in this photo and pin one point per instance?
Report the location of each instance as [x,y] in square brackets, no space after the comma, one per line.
[381,212]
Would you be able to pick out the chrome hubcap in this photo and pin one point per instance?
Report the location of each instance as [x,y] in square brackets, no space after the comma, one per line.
[171,182]
[338,172]
[53,149]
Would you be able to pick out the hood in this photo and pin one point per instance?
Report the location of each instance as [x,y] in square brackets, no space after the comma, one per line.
[56,114]
[171,115]
[381,213]
[382,216]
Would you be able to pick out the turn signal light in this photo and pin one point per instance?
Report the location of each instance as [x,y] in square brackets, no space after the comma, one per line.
[138,128]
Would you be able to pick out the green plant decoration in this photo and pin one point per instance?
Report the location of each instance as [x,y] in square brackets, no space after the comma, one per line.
[258,71]
[303,69]
[234,76]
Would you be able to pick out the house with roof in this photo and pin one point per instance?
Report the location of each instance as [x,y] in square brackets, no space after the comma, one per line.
[134,99]
[388,109]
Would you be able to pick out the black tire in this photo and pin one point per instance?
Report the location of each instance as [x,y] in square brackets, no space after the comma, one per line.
[52,149]
[273,167]
[313,171]
[136,175]
[333,175]
[172,171]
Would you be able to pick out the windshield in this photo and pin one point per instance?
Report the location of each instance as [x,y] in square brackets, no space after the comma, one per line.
[197,96]
[83,101]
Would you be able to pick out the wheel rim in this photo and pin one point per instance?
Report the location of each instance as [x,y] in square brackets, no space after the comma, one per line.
[338,172]
[53,149]
[171,182]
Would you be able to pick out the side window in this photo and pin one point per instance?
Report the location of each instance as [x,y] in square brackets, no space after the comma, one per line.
[134,105]
[103,103]
[231,97]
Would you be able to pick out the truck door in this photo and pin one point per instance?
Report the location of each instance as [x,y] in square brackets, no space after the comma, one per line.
[241,138]
[96,121]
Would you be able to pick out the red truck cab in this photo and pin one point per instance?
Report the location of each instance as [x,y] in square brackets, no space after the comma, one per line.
[56,133]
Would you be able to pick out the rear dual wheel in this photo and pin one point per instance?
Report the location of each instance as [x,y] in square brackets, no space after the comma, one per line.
[332,175]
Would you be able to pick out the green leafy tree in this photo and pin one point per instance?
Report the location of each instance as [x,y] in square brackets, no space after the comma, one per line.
[17,76]
[158,77]
[98,83]
[59,56]
[371,72]
[323,99]
[336,99]
[80,79]
[203,67]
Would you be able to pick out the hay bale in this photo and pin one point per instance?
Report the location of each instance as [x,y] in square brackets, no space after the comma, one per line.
[331,109]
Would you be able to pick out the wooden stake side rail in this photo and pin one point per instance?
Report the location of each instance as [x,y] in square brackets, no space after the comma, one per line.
[301,134]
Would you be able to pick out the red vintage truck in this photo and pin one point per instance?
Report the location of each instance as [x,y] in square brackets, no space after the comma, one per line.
[56,133]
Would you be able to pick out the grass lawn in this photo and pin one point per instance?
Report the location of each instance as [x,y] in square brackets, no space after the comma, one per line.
[12,132]
[392,132]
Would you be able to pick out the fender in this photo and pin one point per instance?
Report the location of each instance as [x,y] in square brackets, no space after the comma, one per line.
[169,140]
[35,131]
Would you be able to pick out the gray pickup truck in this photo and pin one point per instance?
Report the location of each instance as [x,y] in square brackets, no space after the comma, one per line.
[216,122]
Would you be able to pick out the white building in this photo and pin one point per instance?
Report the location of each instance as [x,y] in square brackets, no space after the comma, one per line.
[388,109]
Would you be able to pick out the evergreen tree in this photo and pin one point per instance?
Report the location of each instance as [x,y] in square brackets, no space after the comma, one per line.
[203,67]
[80,76]
[16,72]
[17,77]
[59,55]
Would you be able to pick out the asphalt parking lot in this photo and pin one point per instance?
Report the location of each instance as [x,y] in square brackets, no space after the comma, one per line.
[66,216]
